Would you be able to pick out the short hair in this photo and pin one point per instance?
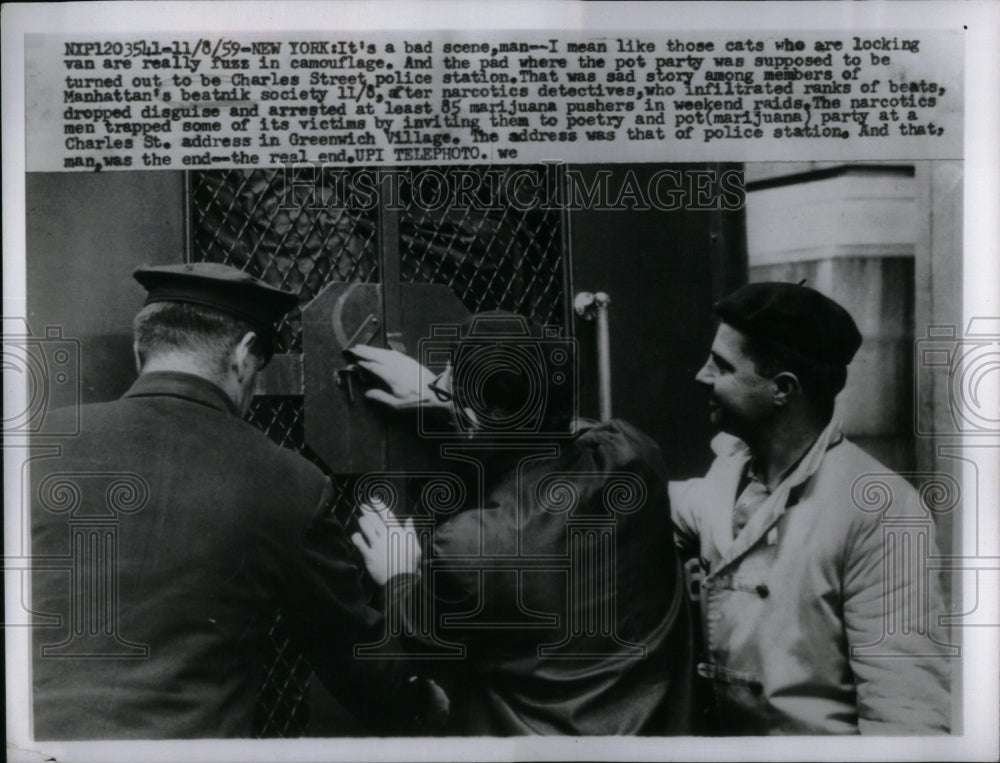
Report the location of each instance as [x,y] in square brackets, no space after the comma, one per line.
[181,326]
[821,382]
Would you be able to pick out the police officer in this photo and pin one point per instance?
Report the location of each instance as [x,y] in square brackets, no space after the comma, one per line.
[163,623]
[803,632]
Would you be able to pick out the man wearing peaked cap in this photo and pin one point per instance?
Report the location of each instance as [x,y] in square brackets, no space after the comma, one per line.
[217,286]
[224,529]
[220,288]
[801,633]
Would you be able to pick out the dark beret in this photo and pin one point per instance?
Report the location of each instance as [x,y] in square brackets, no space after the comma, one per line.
[217,286]
[794,317]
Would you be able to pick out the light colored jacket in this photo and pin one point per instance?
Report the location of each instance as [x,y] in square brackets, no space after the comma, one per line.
[820,617]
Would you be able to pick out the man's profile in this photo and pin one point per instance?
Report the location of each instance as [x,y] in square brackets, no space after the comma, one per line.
[795,585]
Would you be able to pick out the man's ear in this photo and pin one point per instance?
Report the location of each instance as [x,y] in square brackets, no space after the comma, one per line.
[786,386]
[242,355]
[138,357]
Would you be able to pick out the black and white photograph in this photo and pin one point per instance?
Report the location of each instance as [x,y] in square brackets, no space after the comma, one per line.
[557,380]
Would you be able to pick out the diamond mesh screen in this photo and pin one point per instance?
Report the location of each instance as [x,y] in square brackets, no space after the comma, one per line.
[300,230]
[499,257]
[282,230]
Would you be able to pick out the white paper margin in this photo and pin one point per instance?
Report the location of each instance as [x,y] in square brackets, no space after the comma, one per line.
[981,273]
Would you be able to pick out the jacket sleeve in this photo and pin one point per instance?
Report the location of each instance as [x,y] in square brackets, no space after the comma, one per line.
[683,512]
[900,672]
[330,618]
[420,606]
[689,498]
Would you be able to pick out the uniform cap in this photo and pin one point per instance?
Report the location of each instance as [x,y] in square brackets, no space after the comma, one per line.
[217,286]
[794,317]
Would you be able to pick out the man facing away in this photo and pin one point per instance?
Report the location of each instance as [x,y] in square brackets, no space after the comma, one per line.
[806,628]
[188,529]
[562,587]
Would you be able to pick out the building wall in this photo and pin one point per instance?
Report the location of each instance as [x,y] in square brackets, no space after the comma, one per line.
[851,233]
[884,241]
[86,233]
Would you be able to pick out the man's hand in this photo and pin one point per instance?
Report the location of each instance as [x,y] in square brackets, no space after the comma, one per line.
[406,379]
[376,524]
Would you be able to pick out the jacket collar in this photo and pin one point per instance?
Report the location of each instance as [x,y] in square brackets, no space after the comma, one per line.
[186,386]
[768,514]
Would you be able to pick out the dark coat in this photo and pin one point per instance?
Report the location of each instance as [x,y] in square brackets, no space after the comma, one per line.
[206,528]
[564,593]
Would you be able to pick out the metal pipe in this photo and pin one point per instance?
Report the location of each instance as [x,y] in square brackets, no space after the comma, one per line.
[603,355]
[590,306]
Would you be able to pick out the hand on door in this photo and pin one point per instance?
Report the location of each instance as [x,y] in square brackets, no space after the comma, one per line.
[408,384]
[383,559]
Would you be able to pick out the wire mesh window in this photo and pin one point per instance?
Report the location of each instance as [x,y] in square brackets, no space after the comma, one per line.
[265,222]
[302,228]
[492,254]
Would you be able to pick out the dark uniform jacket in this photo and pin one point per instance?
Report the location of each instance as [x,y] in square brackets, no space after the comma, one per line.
[172,532]
[563,594]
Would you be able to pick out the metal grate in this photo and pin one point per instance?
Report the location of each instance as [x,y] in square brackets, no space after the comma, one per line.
[293,235]
[282,704]
[499,257]
[281,418]
[299,230]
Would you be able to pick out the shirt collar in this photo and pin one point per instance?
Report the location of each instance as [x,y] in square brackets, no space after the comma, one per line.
[807,466]
[774,506]
[800,471]
[187,386]
[753,473]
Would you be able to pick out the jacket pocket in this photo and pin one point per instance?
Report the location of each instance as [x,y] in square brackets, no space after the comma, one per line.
[739,707]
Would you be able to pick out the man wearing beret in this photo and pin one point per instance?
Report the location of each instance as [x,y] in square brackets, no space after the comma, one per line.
[188,529]
[792,591]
